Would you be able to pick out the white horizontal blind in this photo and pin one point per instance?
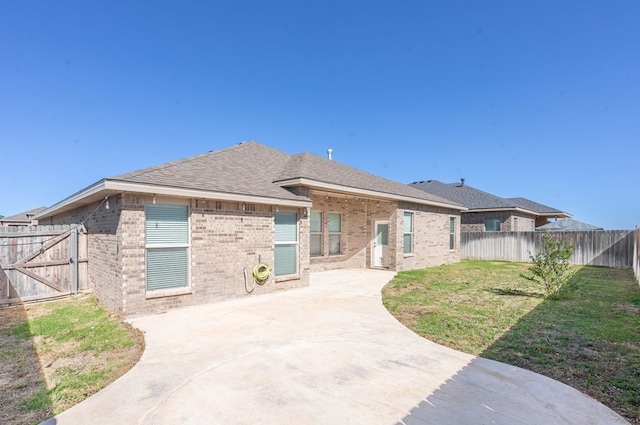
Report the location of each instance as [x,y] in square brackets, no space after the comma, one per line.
[167,240]
[166,268]
[167,224]
[286,243]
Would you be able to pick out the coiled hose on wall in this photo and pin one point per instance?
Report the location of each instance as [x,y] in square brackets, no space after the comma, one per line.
[260,276]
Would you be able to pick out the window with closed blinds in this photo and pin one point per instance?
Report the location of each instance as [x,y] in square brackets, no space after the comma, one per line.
[452,233]
[286,243]
[335,233]
[167,245]
[315,243]
[407,241]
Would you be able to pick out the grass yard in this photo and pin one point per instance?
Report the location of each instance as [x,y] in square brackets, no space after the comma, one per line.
[54,355]
[589,338]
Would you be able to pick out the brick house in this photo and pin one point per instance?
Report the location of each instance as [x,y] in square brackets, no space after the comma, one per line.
[191,231]
[490,213]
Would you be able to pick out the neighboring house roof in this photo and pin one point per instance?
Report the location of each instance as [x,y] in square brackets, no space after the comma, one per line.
[568,224]
[477,200]
[534,206]
[248,172]
[468,196]
[23,217]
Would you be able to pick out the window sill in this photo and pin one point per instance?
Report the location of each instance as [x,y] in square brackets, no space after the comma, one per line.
[163,293]
[409,255]
[287,277]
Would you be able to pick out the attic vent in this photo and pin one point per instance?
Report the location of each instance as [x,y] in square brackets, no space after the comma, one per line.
[330,153]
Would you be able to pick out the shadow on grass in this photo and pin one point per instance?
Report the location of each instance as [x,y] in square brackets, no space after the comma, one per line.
[515,292]
[587,339]
[23,391]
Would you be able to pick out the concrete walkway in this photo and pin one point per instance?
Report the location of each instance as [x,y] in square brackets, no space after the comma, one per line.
[327,354]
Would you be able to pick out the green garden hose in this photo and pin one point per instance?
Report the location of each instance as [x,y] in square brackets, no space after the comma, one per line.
[261,273]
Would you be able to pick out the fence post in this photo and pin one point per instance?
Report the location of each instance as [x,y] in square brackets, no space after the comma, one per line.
[74,247]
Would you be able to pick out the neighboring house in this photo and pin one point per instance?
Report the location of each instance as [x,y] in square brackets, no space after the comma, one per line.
[23,219]
[191,231]
[567,225]
[491,213]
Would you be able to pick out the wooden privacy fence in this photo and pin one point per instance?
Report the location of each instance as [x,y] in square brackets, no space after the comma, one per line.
[609,248]
[636,254]
[41,262]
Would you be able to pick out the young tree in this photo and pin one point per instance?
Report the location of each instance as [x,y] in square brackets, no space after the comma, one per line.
[551,266]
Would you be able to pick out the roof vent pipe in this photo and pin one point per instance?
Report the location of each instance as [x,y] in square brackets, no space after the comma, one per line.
[462,182]
[329,153]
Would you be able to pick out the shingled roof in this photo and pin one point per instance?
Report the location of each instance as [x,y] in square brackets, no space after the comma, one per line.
[468,196]
[247,168]
[475,199]
[250,172]
[313,170]
[23,217]
[533,206]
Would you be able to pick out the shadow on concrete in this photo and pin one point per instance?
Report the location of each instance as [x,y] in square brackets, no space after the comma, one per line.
[514,395]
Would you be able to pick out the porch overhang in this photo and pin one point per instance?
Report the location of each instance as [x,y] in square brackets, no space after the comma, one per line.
[365,193]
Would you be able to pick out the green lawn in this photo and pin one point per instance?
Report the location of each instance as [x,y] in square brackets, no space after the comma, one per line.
[589,338]
[54,355]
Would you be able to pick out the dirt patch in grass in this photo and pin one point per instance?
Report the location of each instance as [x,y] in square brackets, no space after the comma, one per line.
[54,355]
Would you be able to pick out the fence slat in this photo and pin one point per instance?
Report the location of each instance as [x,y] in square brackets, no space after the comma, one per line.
[609,248]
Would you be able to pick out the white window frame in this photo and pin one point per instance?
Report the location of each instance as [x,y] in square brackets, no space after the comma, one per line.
[293,243]
[452,233]
[318,234]
[406,233]
[160,246]
[334,233]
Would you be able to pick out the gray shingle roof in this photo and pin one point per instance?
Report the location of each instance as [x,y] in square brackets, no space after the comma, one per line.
[251,168]
[313,167]
[533,206]
[476,199]
[465,195]
[247,168]
[23,217]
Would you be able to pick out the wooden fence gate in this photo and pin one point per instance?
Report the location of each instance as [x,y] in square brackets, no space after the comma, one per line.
[41,262]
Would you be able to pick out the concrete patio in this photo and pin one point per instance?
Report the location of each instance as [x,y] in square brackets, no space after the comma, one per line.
[326,354]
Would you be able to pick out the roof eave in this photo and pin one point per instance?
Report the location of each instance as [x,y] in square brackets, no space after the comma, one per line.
[332,187]
[522,210]
[107,187]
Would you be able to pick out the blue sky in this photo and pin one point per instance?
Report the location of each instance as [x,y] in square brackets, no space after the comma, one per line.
[537,99]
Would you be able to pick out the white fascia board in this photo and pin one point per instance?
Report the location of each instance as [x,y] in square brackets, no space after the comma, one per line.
[522,210]
[314,184]
[105,188]
[122,186]
[503,209]
[88,192]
